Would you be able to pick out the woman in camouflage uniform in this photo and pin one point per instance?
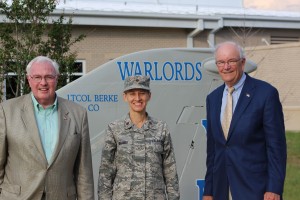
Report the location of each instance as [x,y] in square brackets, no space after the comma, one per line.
[138,160]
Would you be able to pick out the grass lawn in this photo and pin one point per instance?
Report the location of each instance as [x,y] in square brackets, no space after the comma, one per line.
[292,180]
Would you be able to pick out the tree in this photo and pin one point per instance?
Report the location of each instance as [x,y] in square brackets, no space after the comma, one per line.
[27,31]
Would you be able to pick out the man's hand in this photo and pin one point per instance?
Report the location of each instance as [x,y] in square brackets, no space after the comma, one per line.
[271,196]
[207,198]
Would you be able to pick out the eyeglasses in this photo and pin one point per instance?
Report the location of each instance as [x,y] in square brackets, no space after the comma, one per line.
[229,62]
[48,78]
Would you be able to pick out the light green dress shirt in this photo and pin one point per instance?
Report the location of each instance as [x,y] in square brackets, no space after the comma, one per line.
[47,122]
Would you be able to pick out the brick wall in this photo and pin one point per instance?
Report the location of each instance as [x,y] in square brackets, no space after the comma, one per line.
[105,43]
[280,66]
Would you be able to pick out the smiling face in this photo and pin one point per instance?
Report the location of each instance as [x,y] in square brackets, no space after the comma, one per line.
[137,99]
[43,90]
[232,65]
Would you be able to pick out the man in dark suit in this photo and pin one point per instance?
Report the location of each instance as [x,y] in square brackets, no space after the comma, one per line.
[248,160]
[45,151]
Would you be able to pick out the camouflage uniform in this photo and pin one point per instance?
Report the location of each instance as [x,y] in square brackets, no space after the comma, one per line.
[138,163]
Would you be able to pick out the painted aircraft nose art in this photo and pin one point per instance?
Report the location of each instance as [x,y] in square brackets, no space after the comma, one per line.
[180,82]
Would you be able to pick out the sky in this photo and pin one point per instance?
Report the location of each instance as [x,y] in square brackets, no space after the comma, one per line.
[279,5]
[185,6]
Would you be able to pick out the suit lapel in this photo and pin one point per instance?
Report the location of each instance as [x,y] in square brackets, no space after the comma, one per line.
[28,118]
[244,100]
[64,124]
[217,105]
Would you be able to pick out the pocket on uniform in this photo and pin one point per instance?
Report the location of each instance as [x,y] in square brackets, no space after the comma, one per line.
[158,148]
[125,148]
[125,145]
[122,186]
[160,195]
[159,185]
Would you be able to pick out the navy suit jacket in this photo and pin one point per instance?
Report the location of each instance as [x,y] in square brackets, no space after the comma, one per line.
[252,160]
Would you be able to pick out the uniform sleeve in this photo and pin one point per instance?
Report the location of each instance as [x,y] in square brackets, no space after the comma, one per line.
[3,146]
[84,169]
[169,168]
[107,170]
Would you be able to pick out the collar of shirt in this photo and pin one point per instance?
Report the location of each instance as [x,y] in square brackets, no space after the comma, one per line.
[235,95]
[237,87]
[38,107]
[147,125]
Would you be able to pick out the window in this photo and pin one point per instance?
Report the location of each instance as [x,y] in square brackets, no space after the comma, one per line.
[79,70]
[10,87]
[10,84]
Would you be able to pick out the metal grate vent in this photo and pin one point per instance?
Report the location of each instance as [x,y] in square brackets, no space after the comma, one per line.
[284,39]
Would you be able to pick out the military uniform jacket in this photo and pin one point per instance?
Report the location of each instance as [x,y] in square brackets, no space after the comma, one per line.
[138,163]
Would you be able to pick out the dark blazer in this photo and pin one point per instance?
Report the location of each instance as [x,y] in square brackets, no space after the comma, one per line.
[24,171]
[253,158]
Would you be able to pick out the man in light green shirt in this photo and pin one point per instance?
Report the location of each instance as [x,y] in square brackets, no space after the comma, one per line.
[45,150]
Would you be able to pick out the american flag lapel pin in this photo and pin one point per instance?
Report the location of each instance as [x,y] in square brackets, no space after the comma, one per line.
[66,116]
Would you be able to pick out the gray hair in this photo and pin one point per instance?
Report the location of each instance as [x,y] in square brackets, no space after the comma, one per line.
[41,59]
[238,47]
